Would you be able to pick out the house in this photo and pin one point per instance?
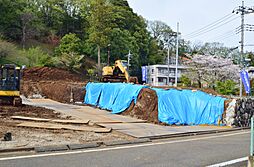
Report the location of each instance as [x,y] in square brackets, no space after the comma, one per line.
[162,75]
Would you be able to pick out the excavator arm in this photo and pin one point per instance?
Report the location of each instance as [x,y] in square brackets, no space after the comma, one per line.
[122,68]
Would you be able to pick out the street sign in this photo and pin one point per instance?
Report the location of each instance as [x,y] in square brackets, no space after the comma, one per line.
[246,81]
[144,73]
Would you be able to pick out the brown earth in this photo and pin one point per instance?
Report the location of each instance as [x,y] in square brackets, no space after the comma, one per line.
[50,74]
[25,110]
[31,137]
[53,83]
[62,91]
[146,107]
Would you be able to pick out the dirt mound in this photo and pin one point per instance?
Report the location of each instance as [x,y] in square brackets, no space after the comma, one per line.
[53,83]
[55,90]
[30,111]
[146,107]
[50,74]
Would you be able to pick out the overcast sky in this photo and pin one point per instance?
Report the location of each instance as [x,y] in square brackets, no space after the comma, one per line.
[193,15]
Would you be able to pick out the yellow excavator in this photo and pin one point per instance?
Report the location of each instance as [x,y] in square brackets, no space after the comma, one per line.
[10,77]
[117,73]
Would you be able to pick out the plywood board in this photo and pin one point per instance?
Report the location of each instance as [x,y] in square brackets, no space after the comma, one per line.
[51,120]
[60,126]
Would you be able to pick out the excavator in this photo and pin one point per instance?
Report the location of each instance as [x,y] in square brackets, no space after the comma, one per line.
[117,73]
[10,77]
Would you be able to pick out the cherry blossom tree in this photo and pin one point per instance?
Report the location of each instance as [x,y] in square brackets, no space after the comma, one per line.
[209,69]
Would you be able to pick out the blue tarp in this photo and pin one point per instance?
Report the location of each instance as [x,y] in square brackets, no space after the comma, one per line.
[188,108]
[112,96]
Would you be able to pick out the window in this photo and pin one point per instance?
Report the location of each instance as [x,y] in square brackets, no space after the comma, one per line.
[152,71]
[160,79]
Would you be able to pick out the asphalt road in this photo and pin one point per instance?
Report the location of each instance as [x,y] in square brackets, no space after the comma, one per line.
[194,151]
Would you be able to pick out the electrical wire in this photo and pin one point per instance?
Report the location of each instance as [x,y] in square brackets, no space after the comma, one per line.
[218,26]
[211,24]
[222,35]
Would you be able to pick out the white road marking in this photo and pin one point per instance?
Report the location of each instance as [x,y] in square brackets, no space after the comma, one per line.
[121,147]
[229,162]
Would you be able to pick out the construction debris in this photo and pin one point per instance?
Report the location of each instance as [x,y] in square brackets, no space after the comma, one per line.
[7,136]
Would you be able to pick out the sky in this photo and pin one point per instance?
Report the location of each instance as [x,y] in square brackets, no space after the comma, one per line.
[214,16]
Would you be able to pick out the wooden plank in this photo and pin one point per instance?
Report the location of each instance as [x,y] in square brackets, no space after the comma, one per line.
[38,125]
[70,121]
[67,127]
[51,120]
[30,118]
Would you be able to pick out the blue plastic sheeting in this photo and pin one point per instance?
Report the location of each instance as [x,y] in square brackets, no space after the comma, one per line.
[93,92]
[186,107]
[112,96]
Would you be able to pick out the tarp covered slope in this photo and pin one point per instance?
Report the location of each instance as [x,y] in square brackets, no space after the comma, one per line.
[112,96]
[188,108]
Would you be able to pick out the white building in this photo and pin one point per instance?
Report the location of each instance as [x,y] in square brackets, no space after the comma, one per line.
[159,75]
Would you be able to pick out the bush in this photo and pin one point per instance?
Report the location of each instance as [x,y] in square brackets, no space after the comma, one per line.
[36,57]
[7,51]
[71,61]
[185,81]
[226,88]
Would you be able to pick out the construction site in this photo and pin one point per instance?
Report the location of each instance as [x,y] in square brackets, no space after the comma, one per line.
[60,110]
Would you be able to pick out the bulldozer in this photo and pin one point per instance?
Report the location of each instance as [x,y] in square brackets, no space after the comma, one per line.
[117,73]
[10,77]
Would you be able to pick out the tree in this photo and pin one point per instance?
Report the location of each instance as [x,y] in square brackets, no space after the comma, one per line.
[161,32]
[209,69]
[70,43]
[100,24]
[215,49]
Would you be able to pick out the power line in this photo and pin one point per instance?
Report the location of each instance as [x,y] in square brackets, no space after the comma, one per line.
[226,37]
[211,24]
[222,35]
[218,26]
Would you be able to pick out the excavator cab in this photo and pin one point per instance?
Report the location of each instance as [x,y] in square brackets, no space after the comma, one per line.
[10,84]
[117,73]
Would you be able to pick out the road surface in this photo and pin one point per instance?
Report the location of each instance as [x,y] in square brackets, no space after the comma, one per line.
[189,151]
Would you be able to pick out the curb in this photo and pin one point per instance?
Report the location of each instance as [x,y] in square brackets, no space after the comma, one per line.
[52,148]
[123,142]
[196,133]
[83,146]
[16,149]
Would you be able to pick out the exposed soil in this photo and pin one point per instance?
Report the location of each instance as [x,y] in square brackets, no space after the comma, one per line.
[30,137]
[7,111]
[61,91]
[146,107]
[50,74]
[53,83]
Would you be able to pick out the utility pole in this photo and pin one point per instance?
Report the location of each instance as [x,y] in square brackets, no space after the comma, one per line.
[128,60]
[242,10]
[168,63]
[177,36]
[109,53]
